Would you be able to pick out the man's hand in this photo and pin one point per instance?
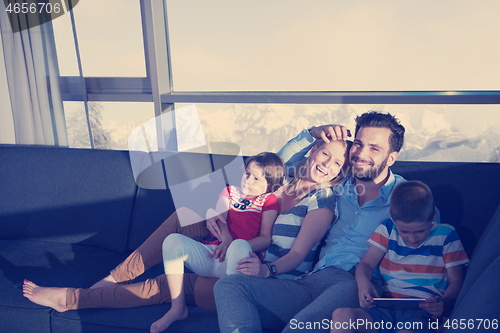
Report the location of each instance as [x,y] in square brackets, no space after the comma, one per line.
[330,132]
[434,305]
[212,219]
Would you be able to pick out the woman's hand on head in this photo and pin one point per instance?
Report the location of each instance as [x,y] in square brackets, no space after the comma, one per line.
[213,217]
[330,132]
[251,266]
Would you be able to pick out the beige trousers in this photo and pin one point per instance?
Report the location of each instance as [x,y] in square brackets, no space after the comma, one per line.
[198,290]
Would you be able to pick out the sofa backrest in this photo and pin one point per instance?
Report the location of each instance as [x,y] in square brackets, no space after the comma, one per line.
[479,298]
[466,194]
[90,196]
[193,180]
[66,195]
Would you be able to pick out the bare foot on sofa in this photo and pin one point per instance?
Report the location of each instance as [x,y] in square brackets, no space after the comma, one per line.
[108,280]
[168,319]
[51,297]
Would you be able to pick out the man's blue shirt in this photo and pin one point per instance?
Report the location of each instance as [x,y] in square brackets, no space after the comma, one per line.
[347,239]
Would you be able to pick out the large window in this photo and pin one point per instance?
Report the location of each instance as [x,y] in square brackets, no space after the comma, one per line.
[433,132]
[111,122]
[326,45]
[109,35]
[261,71]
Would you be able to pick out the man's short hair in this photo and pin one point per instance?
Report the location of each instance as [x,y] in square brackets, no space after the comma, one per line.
[412,201]
[383,120]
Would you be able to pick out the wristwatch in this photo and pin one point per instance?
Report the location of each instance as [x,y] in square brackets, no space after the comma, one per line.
[272,270]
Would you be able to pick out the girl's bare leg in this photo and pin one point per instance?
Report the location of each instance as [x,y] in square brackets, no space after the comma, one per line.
[178,310]
[149,253]
[51,297]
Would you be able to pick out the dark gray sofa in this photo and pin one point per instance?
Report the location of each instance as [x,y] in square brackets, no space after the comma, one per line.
[68,216]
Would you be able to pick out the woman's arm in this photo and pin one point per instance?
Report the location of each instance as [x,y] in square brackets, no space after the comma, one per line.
[266,227]
[226,239]
[217,224]
[314,227]
[219,214]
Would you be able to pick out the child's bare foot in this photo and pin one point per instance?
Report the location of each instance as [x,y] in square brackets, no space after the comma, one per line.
[108,280]
[168,319]
[51,297]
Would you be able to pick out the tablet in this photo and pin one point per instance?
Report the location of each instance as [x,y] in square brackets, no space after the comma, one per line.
[399,303]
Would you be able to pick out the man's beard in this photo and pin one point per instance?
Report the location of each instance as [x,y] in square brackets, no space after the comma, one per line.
[371,173]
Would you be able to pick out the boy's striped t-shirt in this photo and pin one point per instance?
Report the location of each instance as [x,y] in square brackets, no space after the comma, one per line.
[420,271]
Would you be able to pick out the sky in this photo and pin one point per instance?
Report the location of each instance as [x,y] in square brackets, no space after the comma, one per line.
[300,45]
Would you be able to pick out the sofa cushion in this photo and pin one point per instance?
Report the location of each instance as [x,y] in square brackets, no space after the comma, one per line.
[132,320]
[70,265]
[46,264]
[66,195]
[480,294]
[138,319]
[480,301]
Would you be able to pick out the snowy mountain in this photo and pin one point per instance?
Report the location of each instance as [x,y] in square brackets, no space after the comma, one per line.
[433,132]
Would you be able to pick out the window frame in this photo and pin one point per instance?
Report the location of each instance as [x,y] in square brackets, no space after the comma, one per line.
[157,86]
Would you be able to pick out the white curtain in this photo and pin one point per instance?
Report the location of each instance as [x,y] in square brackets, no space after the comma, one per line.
[33,82]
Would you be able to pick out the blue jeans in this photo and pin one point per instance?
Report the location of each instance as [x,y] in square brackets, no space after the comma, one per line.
[248,304]
[418,321]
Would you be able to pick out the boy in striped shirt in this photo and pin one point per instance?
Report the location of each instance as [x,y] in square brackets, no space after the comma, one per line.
[417,258]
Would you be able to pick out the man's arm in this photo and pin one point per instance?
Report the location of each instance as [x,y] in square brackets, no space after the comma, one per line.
[219,214]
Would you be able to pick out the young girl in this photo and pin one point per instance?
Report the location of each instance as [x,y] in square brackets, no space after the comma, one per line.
[248,213]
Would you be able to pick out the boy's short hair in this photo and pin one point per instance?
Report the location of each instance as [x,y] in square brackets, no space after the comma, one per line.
[383,120]
[412,201]
[273,168]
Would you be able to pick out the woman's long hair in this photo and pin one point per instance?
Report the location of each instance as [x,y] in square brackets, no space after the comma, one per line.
[302,169]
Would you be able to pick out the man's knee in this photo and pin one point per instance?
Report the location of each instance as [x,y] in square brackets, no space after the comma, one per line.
[234,287]
[343,314]
[226,285]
